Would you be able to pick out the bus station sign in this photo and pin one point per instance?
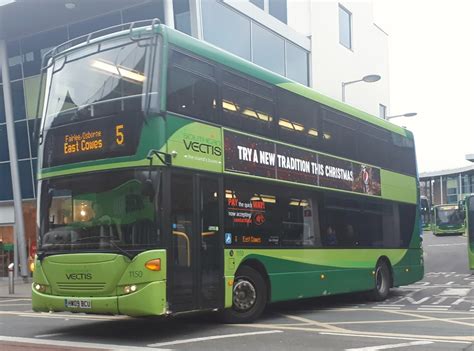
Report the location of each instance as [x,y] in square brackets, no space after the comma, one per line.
[263,158]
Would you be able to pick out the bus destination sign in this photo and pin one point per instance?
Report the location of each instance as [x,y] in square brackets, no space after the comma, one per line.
[264,158]
[90,140]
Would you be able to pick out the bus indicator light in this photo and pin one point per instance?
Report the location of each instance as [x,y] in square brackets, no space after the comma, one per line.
[154,265]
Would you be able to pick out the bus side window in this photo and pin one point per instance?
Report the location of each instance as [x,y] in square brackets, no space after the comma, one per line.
[192,90]
[247,105]
[298,119]
[339,134]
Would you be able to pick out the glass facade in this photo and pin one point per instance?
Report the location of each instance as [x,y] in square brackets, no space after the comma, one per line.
[447,189]
[244,37]
[452,190]
[268,49]
[235,38]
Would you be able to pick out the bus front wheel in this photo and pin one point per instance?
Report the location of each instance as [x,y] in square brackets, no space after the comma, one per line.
[382,280]
[249,296]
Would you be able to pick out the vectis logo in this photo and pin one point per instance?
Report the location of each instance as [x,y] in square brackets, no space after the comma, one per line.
[203,148]
[78,276]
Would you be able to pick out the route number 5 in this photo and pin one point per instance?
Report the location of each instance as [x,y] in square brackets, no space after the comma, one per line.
[119,137]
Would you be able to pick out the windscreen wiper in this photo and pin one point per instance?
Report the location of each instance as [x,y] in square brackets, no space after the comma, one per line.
[125,252]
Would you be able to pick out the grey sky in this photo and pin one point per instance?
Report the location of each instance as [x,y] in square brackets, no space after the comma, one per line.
[432,73]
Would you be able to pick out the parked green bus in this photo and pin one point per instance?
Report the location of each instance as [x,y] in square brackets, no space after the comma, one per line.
[425,209]
[469,206]
[175,177]
[448,219]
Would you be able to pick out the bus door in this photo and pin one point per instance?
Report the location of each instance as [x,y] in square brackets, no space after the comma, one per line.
[195,263]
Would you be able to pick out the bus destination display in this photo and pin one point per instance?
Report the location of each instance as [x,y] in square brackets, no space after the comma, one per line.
[95,139]
[253,156]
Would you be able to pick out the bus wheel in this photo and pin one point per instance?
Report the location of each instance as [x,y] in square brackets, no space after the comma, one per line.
[249,296]
[382,282]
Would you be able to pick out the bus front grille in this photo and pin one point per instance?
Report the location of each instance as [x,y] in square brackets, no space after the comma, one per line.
[82,286]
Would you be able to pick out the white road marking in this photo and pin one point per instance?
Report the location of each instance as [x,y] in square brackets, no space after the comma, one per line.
[214,337]
[386,307]
[413,301]
[436,306]
[394,337]
[12,300]
[391,346]
[52,342]
[455,292]
[441,299]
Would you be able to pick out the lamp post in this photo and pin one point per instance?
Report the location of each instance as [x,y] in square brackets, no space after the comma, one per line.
[408,114]
[371,78]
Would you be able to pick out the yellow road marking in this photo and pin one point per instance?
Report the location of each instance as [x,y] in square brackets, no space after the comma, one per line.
[428,318]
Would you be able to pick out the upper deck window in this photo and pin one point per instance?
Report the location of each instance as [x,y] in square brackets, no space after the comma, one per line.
[100,79]
[192,90]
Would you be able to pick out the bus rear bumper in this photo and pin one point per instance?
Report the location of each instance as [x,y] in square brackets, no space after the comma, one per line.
[149,300]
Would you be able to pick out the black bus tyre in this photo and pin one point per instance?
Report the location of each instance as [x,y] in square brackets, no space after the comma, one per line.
[249,297]
[382,280]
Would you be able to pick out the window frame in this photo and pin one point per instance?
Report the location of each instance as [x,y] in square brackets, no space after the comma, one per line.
[216,119]
[350,27]
[222,84]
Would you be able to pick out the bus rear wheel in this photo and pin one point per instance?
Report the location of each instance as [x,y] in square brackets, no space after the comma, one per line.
[249,297]
[382,280]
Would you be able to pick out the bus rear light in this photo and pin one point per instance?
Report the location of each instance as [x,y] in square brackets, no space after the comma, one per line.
[154,265]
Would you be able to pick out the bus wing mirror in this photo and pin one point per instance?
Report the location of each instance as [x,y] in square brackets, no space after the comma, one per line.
[162,156]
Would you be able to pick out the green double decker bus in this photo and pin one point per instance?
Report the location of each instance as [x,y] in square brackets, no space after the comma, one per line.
[469,206]
[448,219]
[176,177]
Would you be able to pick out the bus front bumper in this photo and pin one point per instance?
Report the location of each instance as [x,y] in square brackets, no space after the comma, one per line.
[149,300]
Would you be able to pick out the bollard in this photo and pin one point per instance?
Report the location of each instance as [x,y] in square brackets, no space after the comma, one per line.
[11,279]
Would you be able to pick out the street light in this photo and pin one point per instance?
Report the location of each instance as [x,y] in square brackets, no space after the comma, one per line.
[408,114]
[371,78]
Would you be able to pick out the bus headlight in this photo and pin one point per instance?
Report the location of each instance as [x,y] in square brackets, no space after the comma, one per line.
[127,289]
[39,287]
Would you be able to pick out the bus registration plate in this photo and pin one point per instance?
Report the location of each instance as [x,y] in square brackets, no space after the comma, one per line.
[77,303]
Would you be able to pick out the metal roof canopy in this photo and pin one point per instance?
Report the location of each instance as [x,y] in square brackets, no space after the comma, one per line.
[446,172]
[20,18]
